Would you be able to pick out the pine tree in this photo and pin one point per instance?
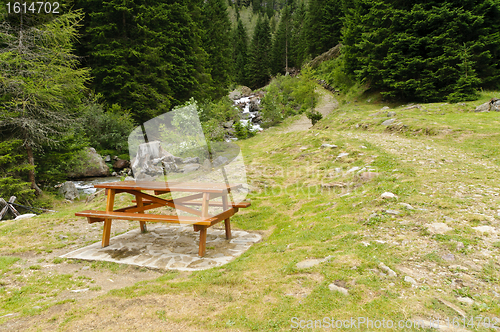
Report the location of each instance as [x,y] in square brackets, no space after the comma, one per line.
[217,44]
[281,43]
[240,54]
[426,51]
[298,45]
[145,57]
[323,25]
[258,68]
[40,82]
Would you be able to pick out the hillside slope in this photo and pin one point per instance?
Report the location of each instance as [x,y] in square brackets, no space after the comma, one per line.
[333,246]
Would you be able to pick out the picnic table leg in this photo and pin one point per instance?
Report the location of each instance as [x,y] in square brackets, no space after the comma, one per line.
[107,222]
[141,204]
[203,241]
[227,222]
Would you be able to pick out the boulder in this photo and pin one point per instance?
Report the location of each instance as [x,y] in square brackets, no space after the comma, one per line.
[220,160]
[193,160]
[91,165]
[121,164]
[492,105]
[191,168]
[69,191]
[228,124]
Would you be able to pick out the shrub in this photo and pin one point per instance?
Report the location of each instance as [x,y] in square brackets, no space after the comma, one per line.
[287,96]
[314,116]
[13,169]
[107,130]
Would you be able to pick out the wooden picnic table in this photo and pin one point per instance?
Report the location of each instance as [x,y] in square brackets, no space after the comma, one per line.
[198,195]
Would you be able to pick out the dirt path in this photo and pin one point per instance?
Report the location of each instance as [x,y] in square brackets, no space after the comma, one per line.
[327,103]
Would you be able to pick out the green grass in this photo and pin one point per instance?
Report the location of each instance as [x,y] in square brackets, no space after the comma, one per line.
[444,165]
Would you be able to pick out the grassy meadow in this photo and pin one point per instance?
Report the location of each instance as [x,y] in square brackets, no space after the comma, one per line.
[439,235]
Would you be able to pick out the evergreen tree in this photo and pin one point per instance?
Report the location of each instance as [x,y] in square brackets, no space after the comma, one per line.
[426,51]
[240,54]
[40,82]
[217,44]
[323,25]
[146,57]
[298,45]
[258,68]
[281,43]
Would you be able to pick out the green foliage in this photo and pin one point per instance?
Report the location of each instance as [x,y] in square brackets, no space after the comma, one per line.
[287,96]
[240,53]
[425,51]
[54,162]
[217,44]
[314,116]
[41,82]
[258,67]
[240,131]
[323,25]
[334,73]
[106,130]
[13,171]
[214,114]
[146,57]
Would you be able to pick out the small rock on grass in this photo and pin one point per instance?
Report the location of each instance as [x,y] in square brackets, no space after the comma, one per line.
[407,206]
[411,280]
[334,287]
[342,155]
[368,175]
[330,146]
[388,195]
[387,270]
[485,229]
[465,300]
[438,228]
[393,212]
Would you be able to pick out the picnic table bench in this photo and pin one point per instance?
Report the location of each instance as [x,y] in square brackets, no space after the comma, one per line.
[199,195]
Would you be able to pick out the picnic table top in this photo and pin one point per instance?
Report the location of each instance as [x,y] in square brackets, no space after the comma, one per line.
[169,186]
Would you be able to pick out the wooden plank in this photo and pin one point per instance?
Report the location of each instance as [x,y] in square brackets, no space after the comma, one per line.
[203,241]
[5,208]
[204,205]
[142,223]
[165,187]
[12,209]
[227,221]
[219,204]
[146,217]
[165,202]
[107,222]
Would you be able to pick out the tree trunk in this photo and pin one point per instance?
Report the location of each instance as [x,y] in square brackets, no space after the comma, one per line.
[31,173]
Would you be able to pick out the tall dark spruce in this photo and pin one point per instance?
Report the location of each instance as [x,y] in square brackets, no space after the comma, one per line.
[258,67]
[424,51]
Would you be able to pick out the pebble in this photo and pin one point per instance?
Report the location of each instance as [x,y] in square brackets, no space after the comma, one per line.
[393,212]
[334,287]
[411,280]
[354,169]
[388,122]
[331,146]
[63,237]
[485,229]
[407,206]
[342,155]
[388,195]
[438,228]
[460,246]
[368,175]
[387,270]
[465,300]
[448,257]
